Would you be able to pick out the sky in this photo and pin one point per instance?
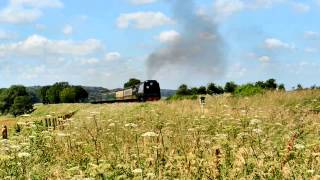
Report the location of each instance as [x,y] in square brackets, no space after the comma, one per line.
[106,42]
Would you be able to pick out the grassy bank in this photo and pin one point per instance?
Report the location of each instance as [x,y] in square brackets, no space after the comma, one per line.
[273,135]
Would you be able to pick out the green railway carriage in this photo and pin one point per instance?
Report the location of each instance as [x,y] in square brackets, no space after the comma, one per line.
[146,91]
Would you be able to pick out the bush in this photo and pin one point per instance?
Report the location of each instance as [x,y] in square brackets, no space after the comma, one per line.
[15,101]
[248,90]
[230,87]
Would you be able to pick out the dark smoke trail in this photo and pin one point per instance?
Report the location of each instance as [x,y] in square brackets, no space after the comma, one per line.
[198,54]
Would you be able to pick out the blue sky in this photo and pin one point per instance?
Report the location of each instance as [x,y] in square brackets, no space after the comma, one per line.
[104,43]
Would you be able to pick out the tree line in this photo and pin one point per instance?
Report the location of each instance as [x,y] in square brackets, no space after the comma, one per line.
[230,87]
[62,92]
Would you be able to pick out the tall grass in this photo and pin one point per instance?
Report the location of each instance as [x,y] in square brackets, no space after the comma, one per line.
[274,135]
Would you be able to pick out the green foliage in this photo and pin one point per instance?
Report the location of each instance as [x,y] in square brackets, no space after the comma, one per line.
[194,90]
[248,90]
[281,87]
[68,95]
[15,101]
[81,94]
[43,94]
[214,89]
[132,82]
[53,93]
[183,90]
[230,87]
[202,90]
[21,105]
[271,84]
[299,87]
[62,92]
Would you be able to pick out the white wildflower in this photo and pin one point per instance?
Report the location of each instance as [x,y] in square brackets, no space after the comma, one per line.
[255,121]
[62,135]
[151,175]
[257,131]
[23,154]
[299,146]
[310,171]
[137,171]
[21,123]
[149,134]
[16,147]
[25,115]
[221,136]
[112,124]
[132,125]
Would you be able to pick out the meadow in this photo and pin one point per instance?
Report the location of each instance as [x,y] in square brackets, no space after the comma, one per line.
[275,135]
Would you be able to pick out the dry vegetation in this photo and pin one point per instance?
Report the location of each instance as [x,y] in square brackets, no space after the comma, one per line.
[270,136]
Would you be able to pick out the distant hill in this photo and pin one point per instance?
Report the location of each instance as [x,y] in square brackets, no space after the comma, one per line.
[167,92]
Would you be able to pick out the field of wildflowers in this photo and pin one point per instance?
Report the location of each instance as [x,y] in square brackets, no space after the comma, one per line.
[271,136]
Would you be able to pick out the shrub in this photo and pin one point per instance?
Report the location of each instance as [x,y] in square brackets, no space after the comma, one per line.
[248,90]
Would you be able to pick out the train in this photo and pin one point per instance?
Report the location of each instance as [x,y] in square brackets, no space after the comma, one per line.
[145,91]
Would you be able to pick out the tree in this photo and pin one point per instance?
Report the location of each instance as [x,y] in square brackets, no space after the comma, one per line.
[53,93]
[194,90]
[44,94]
[183,90]
[202,90]
[21,105]
[81,94]
[15,100]
[261,84]
[230,87]
[213,89]
[132,82]
[271,84]
[68,95]
[299,87]
[281,87]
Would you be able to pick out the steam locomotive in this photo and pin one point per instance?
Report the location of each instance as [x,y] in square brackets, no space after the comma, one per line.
[146,91]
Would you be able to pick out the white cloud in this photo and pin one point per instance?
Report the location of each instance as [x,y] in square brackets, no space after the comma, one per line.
[89,61]
[225,8]
[67,29]
[36,45]
[26,11]
[236,71]
[18,15]
[5,35]
[317,2]
[168,36]
[37,3]
[272,43]
[311,50]
[140,2]
[40,27]
[311,35]
[300,7]
[264,59]
[143,20]
[112,56]
[264,3]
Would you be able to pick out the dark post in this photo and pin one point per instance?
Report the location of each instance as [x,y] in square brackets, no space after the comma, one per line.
[4,132]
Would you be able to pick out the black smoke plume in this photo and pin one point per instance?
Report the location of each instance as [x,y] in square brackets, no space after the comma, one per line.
[198,55]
